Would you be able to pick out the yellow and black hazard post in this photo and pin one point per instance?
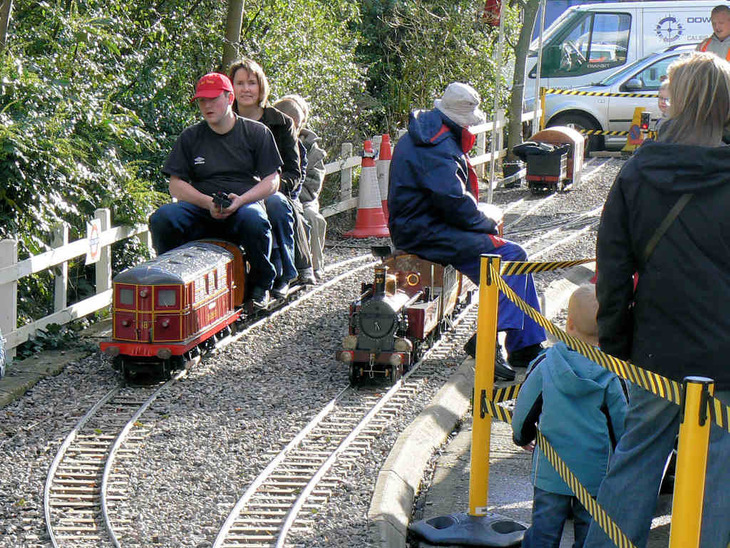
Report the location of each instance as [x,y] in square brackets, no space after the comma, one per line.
[694,442]
[479,527]
[483,384]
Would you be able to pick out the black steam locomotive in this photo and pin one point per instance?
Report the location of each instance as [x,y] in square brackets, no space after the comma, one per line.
[405,308]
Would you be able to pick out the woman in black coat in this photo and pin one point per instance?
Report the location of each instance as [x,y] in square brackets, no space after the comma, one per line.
[677,320]
[251,88]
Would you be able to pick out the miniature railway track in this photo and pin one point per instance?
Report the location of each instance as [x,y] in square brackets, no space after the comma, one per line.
[83,493]
[280,502]
[278,507]
[81,487]
[523,209]
[566,231]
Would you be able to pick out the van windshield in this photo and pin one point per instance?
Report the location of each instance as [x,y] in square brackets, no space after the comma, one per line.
[549,32]
[585,43]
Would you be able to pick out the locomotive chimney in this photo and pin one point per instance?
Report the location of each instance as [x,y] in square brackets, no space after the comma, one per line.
[381,272]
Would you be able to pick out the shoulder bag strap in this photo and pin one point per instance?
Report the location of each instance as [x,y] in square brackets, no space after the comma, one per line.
[666,223]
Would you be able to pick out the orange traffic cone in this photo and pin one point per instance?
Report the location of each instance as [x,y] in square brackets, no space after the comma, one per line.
[370,219]
[383,170]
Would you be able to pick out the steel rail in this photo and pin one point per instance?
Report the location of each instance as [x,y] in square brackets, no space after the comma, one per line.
[118,443]
[59,456]
[547,199]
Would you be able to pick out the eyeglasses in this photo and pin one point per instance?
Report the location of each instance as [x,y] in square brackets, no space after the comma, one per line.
[664,100]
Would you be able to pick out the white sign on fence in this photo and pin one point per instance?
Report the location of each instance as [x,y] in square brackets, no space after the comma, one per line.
[93,234]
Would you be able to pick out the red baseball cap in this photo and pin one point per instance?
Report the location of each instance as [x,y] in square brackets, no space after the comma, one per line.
[212,85]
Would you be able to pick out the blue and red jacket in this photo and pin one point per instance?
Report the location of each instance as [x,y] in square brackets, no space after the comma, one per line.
[432,212]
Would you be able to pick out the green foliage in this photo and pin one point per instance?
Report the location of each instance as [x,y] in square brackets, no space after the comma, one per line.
[93,95]
[414,49]
[308,47]
[54,337]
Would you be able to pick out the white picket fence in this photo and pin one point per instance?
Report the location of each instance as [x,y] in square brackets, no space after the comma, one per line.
[62,251]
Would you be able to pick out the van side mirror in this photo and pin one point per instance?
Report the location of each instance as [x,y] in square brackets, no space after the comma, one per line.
[634,85]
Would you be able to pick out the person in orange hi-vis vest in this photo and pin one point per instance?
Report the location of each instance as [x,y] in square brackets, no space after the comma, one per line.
[719,42]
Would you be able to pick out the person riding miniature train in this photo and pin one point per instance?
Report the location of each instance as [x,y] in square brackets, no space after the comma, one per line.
[434,213]
[223,153]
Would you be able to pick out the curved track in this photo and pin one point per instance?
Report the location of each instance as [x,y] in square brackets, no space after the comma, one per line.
[83,495]
[279,506]
[81,487]
[85,498]
[280,503]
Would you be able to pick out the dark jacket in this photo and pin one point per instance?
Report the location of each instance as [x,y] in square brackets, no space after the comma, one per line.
[431,212]
[580,408]
[286,141]
[677,323]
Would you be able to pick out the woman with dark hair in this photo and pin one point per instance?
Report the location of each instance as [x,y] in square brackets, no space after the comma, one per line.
[675,322]
[251,88]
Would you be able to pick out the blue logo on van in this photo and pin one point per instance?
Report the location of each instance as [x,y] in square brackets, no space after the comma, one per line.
[669,29]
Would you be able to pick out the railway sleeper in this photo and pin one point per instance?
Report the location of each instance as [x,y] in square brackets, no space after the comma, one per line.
[92,482]
[268,506]
[75,505]
[80,492]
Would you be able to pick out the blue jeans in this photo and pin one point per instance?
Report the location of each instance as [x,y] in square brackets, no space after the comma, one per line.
[630,489]
[549,512]
[281,215]
[177,223]
[521,330]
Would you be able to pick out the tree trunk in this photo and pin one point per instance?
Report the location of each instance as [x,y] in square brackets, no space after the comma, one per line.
[233,32]
[514,136]
[5,8]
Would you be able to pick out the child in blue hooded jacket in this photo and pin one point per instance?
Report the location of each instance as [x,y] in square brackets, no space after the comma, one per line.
[580,408]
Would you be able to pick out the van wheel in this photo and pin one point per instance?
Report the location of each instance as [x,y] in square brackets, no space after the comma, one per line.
[581,122]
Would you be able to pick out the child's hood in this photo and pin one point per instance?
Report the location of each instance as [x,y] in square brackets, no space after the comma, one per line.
[573,373]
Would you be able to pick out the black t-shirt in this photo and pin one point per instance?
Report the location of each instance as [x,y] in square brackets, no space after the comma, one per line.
[233,162]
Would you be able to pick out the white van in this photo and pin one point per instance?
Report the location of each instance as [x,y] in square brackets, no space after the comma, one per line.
[590,41]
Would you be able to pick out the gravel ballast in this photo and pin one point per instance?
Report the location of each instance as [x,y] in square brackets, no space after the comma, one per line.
[214,431]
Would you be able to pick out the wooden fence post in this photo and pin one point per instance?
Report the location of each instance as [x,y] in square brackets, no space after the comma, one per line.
[104,264]
[8,293]
[146,239]
[346,174]
[502,122]
[60,273]
[481,148]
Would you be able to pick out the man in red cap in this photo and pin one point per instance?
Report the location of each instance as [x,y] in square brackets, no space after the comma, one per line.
[223,153]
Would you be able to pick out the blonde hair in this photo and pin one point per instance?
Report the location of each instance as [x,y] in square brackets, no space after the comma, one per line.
[582,312]
[252,67]
[699,85]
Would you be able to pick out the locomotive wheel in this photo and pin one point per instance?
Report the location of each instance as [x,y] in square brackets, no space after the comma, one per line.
[354,375]
[395,373]
[166,368]
[416,352]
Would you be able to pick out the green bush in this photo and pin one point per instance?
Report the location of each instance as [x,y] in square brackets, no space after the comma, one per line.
[93,95]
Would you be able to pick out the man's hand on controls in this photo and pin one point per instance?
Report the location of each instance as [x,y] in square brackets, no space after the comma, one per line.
[224,204]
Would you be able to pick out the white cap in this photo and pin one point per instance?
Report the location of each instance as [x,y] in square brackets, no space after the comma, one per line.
[460,102]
